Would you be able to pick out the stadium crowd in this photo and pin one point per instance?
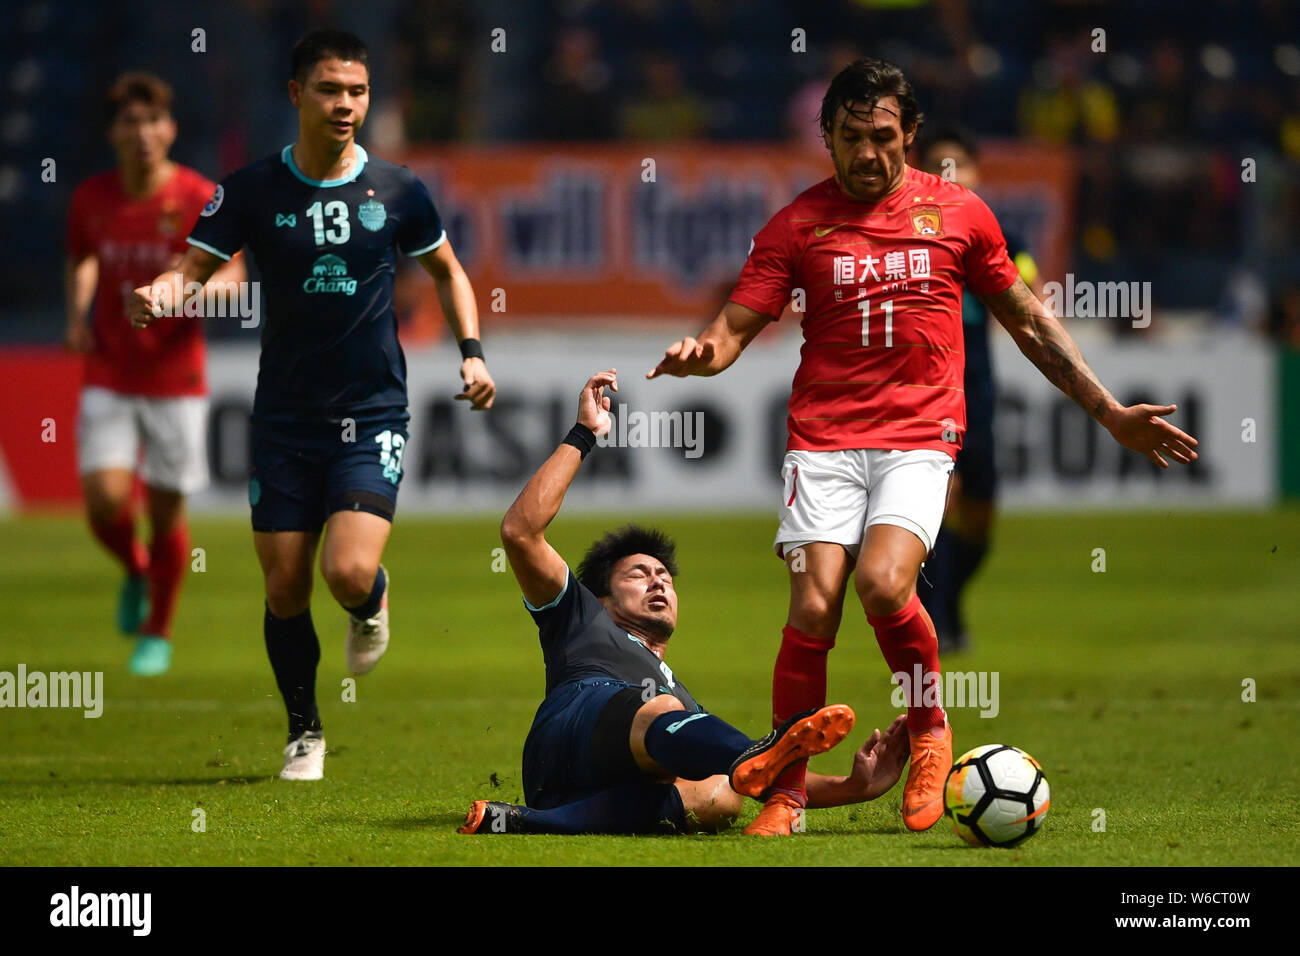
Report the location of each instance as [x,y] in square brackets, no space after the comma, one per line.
[1166,104]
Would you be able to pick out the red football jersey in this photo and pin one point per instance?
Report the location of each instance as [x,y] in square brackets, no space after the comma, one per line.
[882,360]
[134,240]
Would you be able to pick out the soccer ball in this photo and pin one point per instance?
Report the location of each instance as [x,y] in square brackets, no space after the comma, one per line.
[996,796]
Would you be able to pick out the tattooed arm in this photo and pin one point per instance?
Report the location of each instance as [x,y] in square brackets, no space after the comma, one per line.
[1045,342]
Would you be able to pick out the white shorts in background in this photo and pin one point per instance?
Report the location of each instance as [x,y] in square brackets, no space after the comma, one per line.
[835,496]
[112,428]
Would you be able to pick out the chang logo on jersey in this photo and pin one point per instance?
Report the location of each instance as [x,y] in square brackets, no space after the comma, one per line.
[329,273]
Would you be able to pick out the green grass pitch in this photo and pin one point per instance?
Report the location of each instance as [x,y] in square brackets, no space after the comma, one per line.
[1126,685]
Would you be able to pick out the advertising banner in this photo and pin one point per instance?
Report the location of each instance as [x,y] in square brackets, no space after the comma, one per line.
[708,444]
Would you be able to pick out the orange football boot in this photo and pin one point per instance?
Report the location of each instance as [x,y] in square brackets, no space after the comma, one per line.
[923,793]
[780,816]
[803,735]
[474,819]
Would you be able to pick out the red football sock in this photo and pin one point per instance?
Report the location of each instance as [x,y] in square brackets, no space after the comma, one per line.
[798,684]
[118,536]
[907,639]
[168,556]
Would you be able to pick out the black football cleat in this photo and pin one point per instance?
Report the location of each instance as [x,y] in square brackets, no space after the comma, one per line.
[490,816]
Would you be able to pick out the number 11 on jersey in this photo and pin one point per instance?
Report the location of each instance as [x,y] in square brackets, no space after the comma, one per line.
[886,307]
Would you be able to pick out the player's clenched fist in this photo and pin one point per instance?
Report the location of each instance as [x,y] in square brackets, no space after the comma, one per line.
[687,357]
[479,387]
[143,307]
[593,403]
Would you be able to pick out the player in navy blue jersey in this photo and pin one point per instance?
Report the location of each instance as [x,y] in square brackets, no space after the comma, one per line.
[326,222]
[620,745]
[963,541]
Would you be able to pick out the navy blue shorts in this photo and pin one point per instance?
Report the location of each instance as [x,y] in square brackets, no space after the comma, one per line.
[975,462]
[303,473]
[558,763]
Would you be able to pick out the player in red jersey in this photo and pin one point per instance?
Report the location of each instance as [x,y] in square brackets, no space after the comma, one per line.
[142,390]
[879,252]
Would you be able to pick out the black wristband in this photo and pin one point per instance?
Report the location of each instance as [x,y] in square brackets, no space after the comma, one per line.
[582,438]
[471,348]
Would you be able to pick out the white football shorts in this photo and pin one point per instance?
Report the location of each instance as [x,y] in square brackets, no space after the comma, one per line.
[112,428]
[835,496]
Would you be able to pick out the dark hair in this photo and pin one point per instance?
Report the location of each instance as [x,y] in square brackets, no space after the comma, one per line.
[868,81]
[136,87]
[324,45]
[598,564]
[951,133]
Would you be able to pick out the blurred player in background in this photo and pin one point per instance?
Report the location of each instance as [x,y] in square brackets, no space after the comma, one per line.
[142,391]
[619,745]
[881,252]
[325,222]
[963,541]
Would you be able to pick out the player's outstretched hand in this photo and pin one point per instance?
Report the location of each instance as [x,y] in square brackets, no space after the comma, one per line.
[878,765]
[142,307]
[687,357]
[593,403]
[479,387]
[1140,428]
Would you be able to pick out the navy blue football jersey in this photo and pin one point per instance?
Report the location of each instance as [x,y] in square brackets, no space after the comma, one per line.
[579,639]
[327,252]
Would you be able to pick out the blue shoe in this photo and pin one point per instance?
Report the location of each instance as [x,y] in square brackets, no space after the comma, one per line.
[152,656]
[132,604]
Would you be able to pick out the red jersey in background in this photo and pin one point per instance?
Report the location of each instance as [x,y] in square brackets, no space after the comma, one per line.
[134,240]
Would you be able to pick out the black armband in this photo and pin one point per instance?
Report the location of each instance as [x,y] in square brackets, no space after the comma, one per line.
[471,348]
[582,438]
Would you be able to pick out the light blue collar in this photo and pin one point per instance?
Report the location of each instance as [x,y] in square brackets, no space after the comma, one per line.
[286,155]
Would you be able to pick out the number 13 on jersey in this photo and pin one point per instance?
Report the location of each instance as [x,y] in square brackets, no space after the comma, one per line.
[340,229]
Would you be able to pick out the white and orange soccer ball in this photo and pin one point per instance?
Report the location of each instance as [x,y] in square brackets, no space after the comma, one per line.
[996,796]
